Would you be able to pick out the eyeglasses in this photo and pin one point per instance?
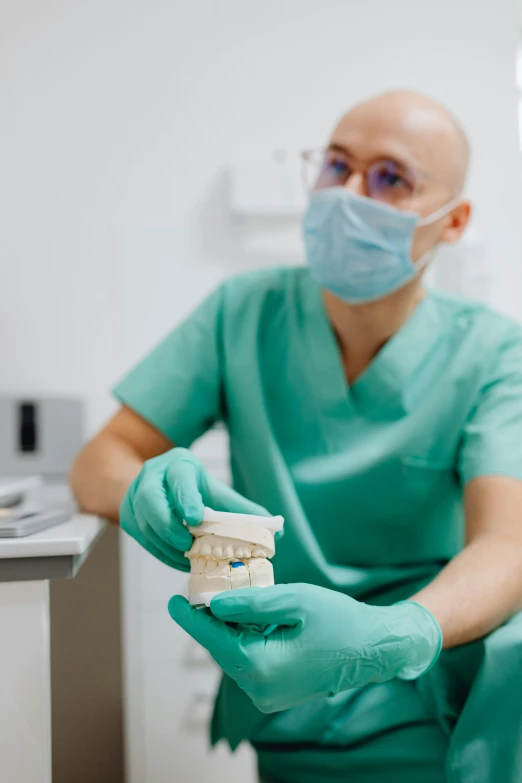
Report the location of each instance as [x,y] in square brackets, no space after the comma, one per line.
[384,180]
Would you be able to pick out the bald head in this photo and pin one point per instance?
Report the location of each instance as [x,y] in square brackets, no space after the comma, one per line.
[411,127]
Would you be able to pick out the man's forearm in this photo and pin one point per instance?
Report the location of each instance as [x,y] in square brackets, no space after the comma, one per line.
[478,590]
[102,473]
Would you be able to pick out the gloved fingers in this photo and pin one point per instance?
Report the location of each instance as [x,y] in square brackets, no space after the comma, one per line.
[273,605]
[224,498]
[152,511]
[167,555]
[171,556]
[222,642]
[182,484]
[168,559]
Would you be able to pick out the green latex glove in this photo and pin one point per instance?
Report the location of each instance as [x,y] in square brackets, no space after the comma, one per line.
[169,489]
[325,642]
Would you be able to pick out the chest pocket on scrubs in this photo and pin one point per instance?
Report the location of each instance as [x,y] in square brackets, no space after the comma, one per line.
[431,507]
[426,484]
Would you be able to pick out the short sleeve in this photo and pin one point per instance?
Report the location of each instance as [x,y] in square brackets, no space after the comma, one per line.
[491,443]
[177,387]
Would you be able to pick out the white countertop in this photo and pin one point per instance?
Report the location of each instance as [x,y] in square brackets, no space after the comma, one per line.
[74,537]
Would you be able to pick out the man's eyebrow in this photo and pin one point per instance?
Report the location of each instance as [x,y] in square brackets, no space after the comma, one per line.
[340,148]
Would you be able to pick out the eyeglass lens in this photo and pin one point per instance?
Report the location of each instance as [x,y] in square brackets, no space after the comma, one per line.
[385,180]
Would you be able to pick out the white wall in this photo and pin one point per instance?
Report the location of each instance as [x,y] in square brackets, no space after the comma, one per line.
[119,119]
[60,165]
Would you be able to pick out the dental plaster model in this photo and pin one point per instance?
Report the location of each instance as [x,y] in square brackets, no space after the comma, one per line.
[230,551]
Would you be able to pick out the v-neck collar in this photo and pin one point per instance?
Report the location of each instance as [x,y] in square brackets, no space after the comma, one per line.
[387,388]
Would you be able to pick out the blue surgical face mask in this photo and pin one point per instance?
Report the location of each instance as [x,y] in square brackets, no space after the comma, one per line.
[359,248]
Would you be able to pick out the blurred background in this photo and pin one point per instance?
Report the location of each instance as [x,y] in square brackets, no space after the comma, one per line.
[149,149]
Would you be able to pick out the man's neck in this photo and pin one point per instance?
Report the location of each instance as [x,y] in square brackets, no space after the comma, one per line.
[362,330]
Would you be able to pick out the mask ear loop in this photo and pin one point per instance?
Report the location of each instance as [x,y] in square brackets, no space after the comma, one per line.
[426,259]
[430,254]
[442,212]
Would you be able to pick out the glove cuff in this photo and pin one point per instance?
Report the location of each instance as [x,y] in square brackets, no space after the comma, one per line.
[424,640]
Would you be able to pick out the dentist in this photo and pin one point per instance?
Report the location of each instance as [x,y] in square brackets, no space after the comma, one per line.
[384,422]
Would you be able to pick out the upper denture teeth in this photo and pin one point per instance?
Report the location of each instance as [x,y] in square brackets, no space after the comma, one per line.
[218,552]
[228,552]
[206,549]
[258,552]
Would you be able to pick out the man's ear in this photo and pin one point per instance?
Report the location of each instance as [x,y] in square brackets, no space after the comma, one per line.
[456,222]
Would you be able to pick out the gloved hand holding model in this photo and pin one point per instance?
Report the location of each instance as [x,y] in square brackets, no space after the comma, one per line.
[325,642]
[169,490]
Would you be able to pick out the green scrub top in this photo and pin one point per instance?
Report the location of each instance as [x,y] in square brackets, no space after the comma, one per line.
[369,477]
